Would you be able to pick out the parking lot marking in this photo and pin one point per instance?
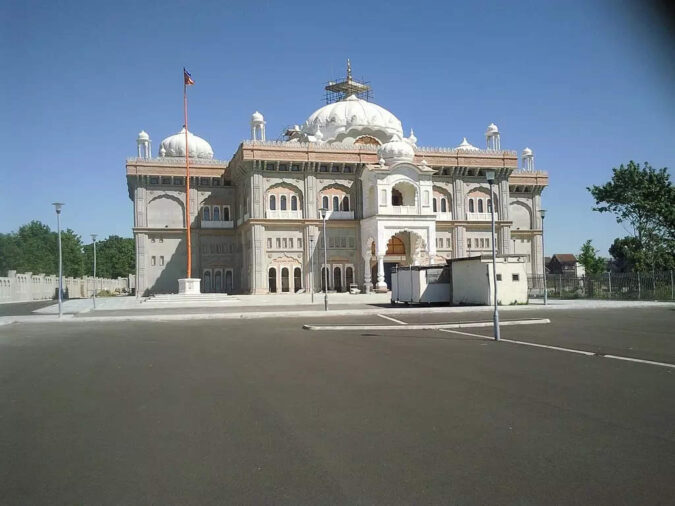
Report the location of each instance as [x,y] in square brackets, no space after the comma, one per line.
[392,319]
[568,350]
[425,326]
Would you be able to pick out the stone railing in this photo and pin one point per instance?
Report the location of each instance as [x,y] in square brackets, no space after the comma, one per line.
[28,286]
[217,224]
[176,160]
[431,149]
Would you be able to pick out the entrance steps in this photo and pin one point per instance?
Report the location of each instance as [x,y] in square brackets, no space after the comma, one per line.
[168,298]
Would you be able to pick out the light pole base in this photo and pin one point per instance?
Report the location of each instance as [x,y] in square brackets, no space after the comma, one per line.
[189,286]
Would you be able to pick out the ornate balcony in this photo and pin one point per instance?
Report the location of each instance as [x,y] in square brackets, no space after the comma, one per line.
[283,215]
[217,224]
[340,215]
[480,216]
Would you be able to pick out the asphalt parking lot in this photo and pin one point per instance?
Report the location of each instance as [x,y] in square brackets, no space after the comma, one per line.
[261,411]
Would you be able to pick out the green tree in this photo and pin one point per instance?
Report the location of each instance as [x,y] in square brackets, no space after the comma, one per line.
[73,257]
[593,264]
[115,257]
[643,198]
[36,249]
[9,252]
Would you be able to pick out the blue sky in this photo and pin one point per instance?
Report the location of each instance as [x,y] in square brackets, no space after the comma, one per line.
[586,85]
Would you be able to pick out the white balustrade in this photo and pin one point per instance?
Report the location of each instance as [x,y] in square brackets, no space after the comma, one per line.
[283,215]
[340,215]
[481,216]
[217,224]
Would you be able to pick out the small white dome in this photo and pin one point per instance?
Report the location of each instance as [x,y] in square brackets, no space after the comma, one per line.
[527,152]
[351,118]
[143,136]
[412,139]
[465,146]
[395,151]
[256,117]
[492,129]
[174,146]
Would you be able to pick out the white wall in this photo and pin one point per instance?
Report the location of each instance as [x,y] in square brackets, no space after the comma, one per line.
[28,286]
[472,281]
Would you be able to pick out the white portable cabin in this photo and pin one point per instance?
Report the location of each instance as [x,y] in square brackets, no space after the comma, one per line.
[472,280]
[462,281]
[421,284]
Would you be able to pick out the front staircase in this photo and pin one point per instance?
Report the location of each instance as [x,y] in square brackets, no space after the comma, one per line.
[197,298]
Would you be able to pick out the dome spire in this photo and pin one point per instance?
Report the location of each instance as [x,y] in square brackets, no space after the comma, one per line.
[349,70]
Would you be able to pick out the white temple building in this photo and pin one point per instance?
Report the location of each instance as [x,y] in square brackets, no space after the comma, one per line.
[255,220]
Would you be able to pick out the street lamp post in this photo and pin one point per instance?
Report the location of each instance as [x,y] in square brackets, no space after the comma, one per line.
[490,176]
[57,207]
[324,214]
[93,238]
[542,213]
[311,270]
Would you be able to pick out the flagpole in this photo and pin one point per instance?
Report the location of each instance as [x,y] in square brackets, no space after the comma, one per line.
[187,182]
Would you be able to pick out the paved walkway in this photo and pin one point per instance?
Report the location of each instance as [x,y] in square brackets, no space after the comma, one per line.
[273,306]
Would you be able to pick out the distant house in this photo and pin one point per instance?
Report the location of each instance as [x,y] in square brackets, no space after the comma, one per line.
[566,264]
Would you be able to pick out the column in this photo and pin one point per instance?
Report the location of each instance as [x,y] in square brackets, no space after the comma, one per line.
[367,281]
[459,242]
[537,253]
[258,274]
[257,211]
[381,285]
[504,238]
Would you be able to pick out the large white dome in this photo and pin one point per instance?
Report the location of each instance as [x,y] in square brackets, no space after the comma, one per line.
[174,146]
[351,118]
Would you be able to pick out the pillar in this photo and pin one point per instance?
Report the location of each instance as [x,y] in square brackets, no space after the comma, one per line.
[381,285]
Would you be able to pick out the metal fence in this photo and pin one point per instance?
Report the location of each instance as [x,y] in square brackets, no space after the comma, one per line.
[618,286]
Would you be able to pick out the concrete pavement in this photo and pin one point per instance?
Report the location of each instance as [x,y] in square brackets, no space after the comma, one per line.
[262,412]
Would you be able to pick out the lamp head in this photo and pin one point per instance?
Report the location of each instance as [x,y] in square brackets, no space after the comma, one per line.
[93,237]
[490,175]
[322,212]
[58,206]
[542,213]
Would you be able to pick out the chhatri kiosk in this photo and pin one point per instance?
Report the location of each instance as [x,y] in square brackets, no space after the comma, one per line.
[255,220]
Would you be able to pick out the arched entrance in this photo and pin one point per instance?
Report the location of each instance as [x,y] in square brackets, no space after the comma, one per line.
[403,248]
[273,280]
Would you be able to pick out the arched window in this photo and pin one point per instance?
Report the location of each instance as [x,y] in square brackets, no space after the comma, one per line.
[345,203]
[294,203]
[480,205]
[218,281]
[226,213]
[489,205]
[216,213]
[207,281]
[273,203]
[323,279]
[228,282]
[297,279]
[349,277]
[324,202]
[444,205]
[396,197]
[207,213]
[273,280]
[471,208]
[282,203]
[284,280]
[336,203]
[434,205]
[337,279]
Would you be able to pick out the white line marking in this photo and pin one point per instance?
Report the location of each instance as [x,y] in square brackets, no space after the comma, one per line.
[429,326]
[392,319]
[568,350]
[650,362]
